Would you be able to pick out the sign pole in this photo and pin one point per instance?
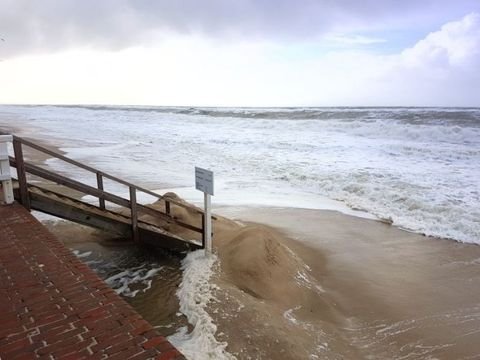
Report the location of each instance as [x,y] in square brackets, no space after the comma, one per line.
[208,222]
[204,183]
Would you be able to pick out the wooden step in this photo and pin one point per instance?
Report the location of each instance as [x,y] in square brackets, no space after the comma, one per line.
[78,211]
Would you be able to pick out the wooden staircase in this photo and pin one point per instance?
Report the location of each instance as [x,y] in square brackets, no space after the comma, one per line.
[113,219]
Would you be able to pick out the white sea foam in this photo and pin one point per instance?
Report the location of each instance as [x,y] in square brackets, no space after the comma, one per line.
[130,282]
[288,314]
[45,217]
[81,255]
[195,293]
[417,167]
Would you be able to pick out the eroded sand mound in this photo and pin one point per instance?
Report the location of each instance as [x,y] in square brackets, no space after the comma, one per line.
[280,308]
[254,258]
[257,263]
[277,303]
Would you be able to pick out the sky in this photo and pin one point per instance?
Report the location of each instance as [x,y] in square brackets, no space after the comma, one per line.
[240,52]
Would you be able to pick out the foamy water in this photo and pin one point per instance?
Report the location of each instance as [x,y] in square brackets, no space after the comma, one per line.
[417,167]
[195,293]
[126,281]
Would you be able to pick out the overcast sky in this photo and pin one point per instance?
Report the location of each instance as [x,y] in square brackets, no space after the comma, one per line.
[241,52]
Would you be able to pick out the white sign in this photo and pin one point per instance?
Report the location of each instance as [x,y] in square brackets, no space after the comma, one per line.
[204,180]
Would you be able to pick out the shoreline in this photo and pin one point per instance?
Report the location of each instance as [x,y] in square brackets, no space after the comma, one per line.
[383,281]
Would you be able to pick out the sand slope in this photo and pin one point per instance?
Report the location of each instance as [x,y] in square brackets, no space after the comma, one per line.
[279,306]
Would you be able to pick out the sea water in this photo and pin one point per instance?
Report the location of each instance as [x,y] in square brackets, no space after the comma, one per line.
[416,167]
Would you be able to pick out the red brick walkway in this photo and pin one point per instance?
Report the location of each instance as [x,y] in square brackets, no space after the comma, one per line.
[52,306]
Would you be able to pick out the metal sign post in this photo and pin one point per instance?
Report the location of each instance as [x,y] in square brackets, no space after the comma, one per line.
[204,183]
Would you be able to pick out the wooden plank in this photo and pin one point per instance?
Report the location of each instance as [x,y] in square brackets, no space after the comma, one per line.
[101,200]
[187,226]
[154,212]
[65,211]
[82,216]
[75,185]
[89,207]
[76,202]
[157,213]
[21,173]
[134,213]
[166,242]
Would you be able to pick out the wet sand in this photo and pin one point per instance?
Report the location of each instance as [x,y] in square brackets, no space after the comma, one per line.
[393,294]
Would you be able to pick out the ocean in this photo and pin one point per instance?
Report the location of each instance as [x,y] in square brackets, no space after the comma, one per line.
[416,167]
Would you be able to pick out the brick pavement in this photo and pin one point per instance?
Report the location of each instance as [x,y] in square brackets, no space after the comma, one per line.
[52,306]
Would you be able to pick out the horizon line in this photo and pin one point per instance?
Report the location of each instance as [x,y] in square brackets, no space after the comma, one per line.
[243,106]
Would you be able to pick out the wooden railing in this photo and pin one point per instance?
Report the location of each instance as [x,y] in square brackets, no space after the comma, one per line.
[23,167]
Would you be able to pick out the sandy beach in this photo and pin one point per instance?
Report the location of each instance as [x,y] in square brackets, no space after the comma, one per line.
[395,294]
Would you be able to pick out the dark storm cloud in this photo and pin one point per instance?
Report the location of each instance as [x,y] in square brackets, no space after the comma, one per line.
[48,25]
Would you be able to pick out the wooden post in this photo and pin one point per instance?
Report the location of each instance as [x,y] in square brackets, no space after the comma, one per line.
[101,199]
[167,207]
[21,174]
[134,213]
[203,231]
[5,176]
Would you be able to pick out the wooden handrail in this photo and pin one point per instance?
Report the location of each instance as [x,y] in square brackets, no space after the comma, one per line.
[82,166]
[101,200]
[22,177]
[134,213]
[101,174]
[70,183]
[90,190]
